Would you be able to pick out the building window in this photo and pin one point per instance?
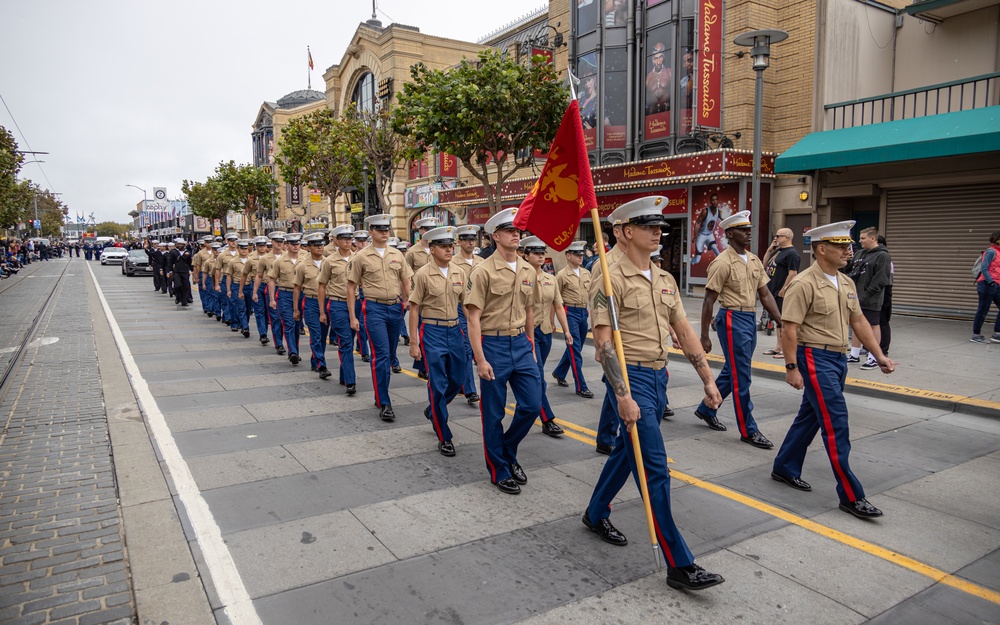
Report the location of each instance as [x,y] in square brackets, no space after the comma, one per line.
[363,96]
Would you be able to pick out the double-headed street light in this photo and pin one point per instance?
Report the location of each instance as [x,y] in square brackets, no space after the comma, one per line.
[759,42]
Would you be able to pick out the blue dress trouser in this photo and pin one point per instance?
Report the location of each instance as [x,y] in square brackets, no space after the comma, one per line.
[469,383]
[647,389]
[259,308]
[607,426]
[317,332]
[577,320]
[543,345]
[275,319]
[209,295]
[381,322]
[201,293]
[362,334]
[340,326]
[224,303]
[513,362]
[286,316]
[443,351]
[823,410]
[737,339]
[240,318]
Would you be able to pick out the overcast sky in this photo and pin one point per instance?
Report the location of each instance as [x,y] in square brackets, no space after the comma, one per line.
[152,92]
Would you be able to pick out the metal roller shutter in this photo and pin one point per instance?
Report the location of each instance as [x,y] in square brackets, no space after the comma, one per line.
[934,234]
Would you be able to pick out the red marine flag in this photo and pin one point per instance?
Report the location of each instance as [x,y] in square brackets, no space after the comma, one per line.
[565,191]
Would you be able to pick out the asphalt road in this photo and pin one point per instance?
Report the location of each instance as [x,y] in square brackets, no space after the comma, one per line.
[306,508]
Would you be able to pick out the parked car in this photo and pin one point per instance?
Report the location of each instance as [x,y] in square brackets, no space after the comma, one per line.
[114,255]
[137,264]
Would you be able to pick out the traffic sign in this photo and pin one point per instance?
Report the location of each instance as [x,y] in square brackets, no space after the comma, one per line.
[37,223]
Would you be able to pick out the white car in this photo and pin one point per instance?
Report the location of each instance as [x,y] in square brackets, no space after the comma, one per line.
[114,255]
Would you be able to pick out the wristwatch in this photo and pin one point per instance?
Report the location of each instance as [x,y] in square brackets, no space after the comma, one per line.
[791,366]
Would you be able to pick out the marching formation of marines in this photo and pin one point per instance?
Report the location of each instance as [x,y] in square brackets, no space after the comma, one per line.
[464,316]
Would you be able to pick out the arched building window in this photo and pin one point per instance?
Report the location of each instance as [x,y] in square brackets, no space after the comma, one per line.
[363,96]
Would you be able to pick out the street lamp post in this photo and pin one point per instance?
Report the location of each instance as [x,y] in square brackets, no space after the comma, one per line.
[364,173]
[144,200]
[759,42]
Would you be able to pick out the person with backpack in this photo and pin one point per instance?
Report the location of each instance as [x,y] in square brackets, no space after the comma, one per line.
[987,275]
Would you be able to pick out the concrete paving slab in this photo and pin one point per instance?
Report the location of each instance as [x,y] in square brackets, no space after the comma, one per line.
[940,605]
[717,454]
[246,506]
[483,582]
[752,594]
[154,366]
[243,467]
[929,446]
[985,571]
[971,422]
[139,480]
[276,376]
[187,387]
[430,521]
[199,419]
[303,389]
[842,573]
[305,551]
[182,602]
[268,410]
[951,491]
[154,528]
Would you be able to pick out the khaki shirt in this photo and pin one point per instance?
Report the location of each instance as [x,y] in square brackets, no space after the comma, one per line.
[307,275]
[459,261]
[646,309]
[438,296]
[381,277]
[822,310]
[548,296]
[612,257]
[283,271]
[417,256]
[208,265]
[736,281]
[198,262]
[333,273]
[330,248]
[250,269]
[264,265]
[575,290]
[500,293]
[222,262]
[235,269]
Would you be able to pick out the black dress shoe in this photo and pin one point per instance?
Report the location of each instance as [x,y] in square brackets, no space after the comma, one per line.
[406,340]
[280,351]
[757,440]
[861,509]
[386,413]
[472,398]
[246,334]
[604,449]
[352,389]
[324,373]
[608,532]
[518,474]
[218,318]
[692,578]
[422,375]
[397,369]
[561,381]
[446,448]
[293,358]
[508,486]
[234,329]
[302,332]
[427,413]
[711,421]
[264,340]
[366,358]
[794,482]
[587,393]
[552,429]
[667,412]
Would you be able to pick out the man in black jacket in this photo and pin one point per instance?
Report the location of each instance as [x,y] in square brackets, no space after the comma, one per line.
[180,271]
[155,261]
[871,271]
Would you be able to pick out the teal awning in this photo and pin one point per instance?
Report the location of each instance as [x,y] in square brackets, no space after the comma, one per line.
[947,134]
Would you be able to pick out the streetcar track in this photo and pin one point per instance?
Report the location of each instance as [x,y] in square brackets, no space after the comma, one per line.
[18,356]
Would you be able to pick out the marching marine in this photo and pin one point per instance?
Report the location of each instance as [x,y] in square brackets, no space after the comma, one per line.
[307,273]
[281,284]
[466,259]
[332,294]
[574,287]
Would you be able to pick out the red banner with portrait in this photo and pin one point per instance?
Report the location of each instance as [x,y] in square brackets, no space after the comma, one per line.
[708,83]
[710,204]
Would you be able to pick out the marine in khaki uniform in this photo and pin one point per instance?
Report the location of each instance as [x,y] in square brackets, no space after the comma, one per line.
[607,425]
[547,303]
[736,278]
[261,284]
[820,304]
[197,270]
[499,297]
[208,281]
[226,290]
[465,258]
[234,276]
[306,290]
[332,296]
[253,293]
[436,336]
[361,239]
[281,283]
[381,271]
[574,287]
[649,304]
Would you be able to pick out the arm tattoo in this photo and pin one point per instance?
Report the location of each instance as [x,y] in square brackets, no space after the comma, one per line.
[700,364]
[612,369]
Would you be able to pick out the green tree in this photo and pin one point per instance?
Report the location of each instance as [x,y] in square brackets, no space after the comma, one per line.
[321,150]
[242,187]
[383,148]
[204,200]
[14,204]
[14,195]
[490,114]
[112,229]
[51,212]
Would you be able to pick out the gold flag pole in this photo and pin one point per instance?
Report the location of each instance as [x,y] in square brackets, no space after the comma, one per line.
[620,352]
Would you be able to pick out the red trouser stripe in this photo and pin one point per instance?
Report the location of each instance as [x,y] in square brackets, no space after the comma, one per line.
[740,418]
[482,419]
[364,315]
[430,388]
[831,439]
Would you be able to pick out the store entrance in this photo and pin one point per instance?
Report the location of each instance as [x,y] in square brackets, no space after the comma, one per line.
[674,242]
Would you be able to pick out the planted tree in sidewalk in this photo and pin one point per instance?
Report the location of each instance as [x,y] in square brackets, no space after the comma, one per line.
[15,196]
[385,150]
[204,200]
[490,113]
[237,188]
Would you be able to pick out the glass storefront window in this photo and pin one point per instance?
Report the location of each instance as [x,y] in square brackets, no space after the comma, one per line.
[586,15]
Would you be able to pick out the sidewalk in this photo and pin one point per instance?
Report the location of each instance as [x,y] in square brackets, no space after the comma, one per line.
[934,356]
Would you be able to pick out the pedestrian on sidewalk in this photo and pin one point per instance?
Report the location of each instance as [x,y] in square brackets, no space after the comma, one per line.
[782,262]
[871,271]
[988,288]
[886,313]
[819,306]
